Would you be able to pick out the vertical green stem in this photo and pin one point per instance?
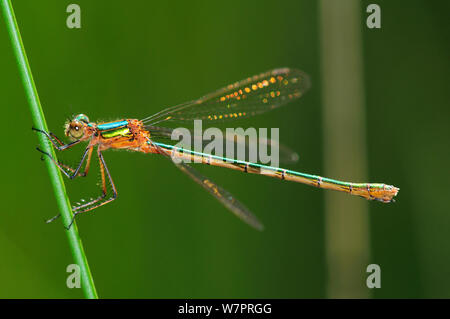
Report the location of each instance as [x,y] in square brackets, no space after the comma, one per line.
[87,282]
[345,155]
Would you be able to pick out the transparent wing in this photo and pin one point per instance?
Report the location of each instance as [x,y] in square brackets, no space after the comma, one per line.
[254,95]
[218,192]
[286,155]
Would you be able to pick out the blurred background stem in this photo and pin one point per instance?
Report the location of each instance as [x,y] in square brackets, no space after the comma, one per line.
[87,282]
[345,154]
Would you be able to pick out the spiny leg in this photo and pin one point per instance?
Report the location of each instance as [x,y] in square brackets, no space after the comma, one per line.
[104,190]
[86,168]
[74,171]
[100,200]
[88,162]
[59,145]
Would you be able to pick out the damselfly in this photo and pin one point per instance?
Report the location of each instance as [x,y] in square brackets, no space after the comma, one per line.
[248,97]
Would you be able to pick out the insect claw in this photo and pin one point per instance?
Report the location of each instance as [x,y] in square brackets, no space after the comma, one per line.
[71,222]
[43,152]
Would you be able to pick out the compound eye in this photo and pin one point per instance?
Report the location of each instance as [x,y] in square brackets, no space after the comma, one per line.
[76,130]
[82,117]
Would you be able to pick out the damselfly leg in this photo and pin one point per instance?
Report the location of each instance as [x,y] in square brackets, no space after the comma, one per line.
[99,201]
[75,171]
[59,145]
[87,155]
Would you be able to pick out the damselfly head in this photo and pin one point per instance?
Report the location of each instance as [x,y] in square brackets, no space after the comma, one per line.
[75,129]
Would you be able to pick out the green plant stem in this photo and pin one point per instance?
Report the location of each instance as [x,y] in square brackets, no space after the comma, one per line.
[87,282]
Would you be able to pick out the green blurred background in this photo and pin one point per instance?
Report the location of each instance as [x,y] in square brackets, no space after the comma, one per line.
[164,236]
